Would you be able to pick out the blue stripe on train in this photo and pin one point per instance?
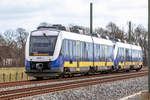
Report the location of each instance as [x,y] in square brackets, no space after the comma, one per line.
[27,64]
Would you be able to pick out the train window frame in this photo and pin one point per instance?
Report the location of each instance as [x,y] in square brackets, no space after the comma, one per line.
[81,50]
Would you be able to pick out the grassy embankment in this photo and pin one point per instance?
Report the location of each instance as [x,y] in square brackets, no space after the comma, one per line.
[5,74]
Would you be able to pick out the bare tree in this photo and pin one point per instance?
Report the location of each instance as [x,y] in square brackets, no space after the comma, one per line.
[114,31]
[21,40]
[140,35]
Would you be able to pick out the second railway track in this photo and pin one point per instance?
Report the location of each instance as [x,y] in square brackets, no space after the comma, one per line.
[30,82]
[63,85]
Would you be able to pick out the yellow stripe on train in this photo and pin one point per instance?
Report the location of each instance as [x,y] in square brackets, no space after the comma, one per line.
[99,63]
[109,63]
[68,64]
[87,64]
[129,63]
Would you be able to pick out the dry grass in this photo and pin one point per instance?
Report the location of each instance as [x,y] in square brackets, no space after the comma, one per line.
[145,96]
[12,70]
[16,73]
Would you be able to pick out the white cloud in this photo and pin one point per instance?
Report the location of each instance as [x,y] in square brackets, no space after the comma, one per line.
[29,13]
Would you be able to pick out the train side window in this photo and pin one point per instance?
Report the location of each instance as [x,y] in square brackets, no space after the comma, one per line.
[80,50]
[94,50]
[100,53]
[123,50]
[130,54]
[110,50]
[103,52]
[77,48]
[63,48]
[74,48]
[70,48]
[97,49]
[86,51]
[67,48]
[83,51]
[91,50]
[133,54]
[119,53]
[127,54]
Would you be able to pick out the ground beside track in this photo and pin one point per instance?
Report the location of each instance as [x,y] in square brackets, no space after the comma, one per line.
[105,91]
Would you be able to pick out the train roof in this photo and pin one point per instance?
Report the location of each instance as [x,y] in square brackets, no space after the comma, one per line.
[128,46]
[48,32]
[135,47]
[102,41]
[74,36]
[87,38]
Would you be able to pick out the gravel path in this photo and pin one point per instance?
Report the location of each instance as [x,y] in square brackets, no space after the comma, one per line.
[105,91]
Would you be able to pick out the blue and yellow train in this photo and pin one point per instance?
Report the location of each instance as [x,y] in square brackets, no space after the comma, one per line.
[52,52]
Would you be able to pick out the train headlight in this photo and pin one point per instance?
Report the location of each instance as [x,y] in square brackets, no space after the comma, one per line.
[50,58]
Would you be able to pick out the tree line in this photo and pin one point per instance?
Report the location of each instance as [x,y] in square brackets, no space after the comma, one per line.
[12,42]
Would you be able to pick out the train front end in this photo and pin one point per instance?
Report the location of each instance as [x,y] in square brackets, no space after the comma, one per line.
[40,57]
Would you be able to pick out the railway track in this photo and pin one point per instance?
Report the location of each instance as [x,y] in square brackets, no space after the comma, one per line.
[30,82]
[68,84]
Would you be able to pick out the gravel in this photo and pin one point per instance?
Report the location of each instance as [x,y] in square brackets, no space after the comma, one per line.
[105,91]
[50,83]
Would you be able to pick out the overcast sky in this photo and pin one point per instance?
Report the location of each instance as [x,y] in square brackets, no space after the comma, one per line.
[29,13]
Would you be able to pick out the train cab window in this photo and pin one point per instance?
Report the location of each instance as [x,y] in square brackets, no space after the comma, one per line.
[42,45]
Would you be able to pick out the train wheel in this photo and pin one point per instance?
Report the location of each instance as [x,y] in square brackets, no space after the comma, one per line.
[127,70]
[39,78]
[137,69]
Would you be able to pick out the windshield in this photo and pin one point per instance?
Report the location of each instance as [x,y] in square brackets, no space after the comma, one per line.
[42,45]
